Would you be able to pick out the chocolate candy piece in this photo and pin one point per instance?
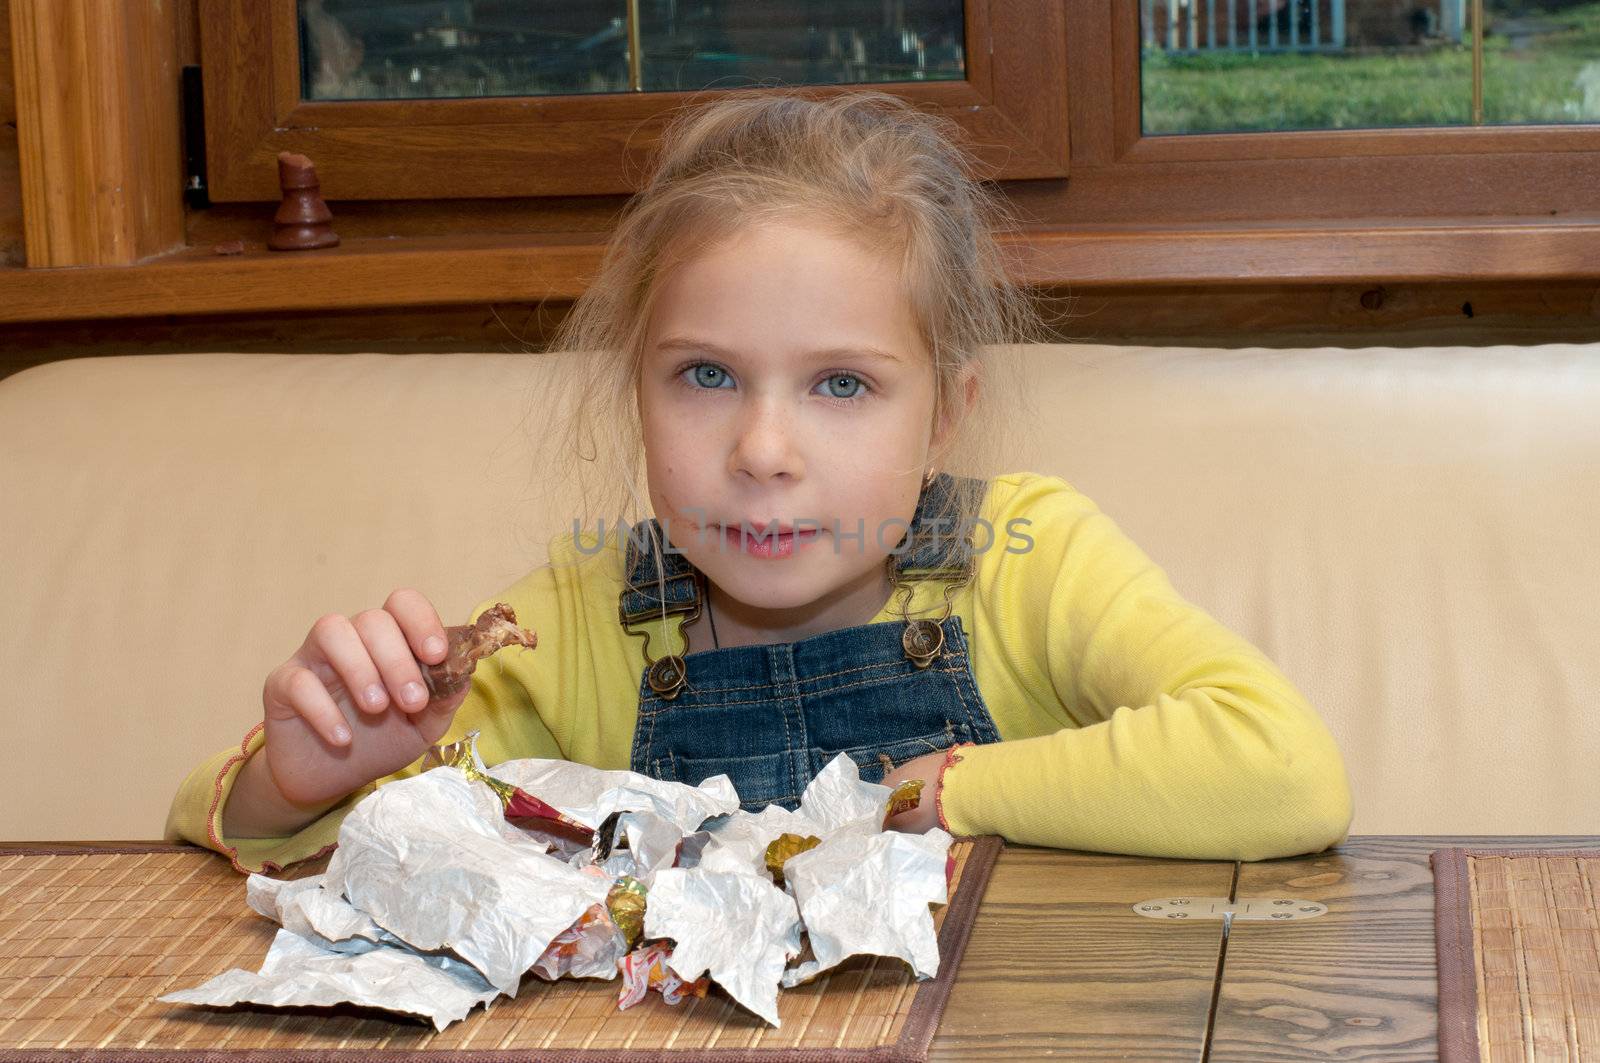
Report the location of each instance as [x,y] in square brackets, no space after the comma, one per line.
[495,629]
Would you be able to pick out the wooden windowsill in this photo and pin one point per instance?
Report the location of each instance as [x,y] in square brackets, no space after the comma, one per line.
[519,268]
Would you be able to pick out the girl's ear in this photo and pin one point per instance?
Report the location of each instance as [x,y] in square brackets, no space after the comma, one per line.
[968,385]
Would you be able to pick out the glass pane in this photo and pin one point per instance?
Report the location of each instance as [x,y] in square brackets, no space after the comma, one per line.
[358,49]
[1541,61]
[730,43]
[1218,66]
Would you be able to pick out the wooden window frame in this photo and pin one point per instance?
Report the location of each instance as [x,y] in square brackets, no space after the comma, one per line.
[1124,177]
[1212,221]
[1013,102]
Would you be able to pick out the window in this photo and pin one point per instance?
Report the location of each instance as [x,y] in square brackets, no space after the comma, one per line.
[445,99]
[1157,113]
[1258,65]
[406,49]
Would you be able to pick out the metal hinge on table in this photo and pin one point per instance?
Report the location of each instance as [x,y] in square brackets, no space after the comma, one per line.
[1245,909]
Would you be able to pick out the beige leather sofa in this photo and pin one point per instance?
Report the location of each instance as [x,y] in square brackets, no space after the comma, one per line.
[1412,534]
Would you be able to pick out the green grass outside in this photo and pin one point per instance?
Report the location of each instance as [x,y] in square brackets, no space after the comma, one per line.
[1554,77]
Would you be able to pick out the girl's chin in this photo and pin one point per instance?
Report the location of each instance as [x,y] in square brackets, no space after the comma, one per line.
[765,585]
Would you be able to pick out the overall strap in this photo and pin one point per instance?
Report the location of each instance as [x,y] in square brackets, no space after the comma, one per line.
[928,539]
[645,591]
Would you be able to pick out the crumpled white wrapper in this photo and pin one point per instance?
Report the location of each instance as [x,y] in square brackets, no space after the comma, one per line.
[835,802]
[739,843]
[868,891]
[838,800]
[652,842]
[418,856]
[600,946]
[740,928]
[319,915]
[299,972]
[861,893]
[433,902]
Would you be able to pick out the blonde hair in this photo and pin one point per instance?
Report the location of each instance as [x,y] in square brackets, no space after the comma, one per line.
[864,164]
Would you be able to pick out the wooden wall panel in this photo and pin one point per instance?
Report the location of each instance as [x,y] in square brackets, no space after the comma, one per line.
[97,124]
[10,176]
[8,93]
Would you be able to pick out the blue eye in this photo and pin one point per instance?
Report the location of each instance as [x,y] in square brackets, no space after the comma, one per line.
[847,379]
[845,387]
[707,375]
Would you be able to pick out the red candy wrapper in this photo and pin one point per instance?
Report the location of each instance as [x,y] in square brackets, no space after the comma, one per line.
[646,968]
[521,807]
[906,796]
[525,810]
[590,948]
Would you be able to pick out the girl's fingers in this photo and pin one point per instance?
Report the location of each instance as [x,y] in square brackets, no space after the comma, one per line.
[298,692]
[434,721]
[386,646]
[337,640]
[420,622]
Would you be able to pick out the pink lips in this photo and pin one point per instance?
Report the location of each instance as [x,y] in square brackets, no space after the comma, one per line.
[781,544]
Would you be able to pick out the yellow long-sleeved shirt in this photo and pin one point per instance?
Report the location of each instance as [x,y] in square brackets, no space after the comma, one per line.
[1131,720]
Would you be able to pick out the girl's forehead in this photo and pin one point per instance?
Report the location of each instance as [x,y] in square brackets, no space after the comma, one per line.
[789,285]
[783,234]
[794,280]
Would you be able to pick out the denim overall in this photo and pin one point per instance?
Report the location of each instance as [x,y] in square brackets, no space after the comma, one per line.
[771,717]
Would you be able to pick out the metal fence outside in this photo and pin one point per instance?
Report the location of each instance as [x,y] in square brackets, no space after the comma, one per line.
[1190,26]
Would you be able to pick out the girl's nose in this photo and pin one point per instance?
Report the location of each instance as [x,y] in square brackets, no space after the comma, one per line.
[766,443]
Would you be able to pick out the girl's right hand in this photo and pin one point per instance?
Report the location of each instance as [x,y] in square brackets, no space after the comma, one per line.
[351,705]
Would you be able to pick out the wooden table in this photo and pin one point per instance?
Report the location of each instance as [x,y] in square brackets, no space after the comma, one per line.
[1059,963]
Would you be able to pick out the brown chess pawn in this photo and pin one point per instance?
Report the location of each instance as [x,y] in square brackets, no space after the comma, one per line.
[302,221]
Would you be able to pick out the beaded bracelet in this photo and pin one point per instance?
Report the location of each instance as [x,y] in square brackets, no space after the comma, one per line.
[950,757]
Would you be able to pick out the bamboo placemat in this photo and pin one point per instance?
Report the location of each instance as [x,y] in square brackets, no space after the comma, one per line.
[1518,940]
[89,938]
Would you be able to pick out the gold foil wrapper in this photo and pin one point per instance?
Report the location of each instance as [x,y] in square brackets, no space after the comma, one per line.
[462,755]
[784,848]
[626,903]
[906,796]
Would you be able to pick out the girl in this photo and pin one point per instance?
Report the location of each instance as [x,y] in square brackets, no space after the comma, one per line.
[790,338]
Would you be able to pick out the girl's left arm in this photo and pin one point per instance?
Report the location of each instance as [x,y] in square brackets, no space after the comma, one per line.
[1188,742]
